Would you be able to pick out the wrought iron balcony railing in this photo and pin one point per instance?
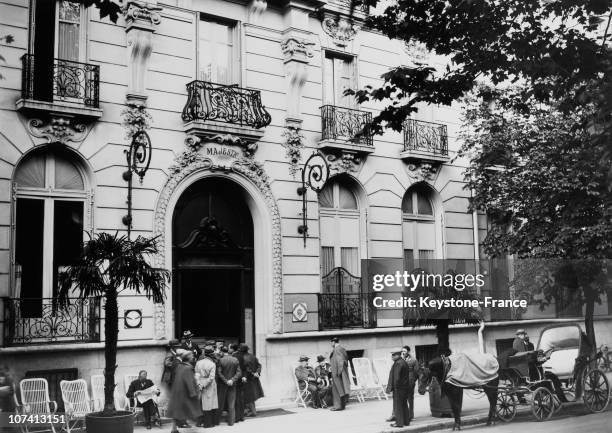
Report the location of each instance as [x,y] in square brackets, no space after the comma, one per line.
[229,104]
[426,137]
[343,305]
[346,124]
[42,320]
[60,81]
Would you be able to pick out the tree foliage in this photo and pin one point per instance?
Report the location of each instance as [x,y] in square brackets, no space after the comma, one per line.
[555,46]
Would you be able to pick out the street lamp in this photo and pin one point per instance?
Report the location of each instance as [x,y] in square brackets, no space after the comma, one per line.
[138,160]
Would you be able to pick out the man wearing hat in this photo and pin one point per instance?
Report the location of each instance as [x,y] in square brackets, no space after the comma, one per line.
[170,362]
[519,342]
[183,403]
[251,385]
[190,345]
[399,385]
[307,378]
[323,372]
[228,374]
[341,384]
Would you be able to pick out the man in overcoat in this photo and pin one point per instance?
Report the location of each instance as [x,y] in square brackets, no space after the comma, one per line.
[399,385]
[228,373]
[188,344]
[519,342]
[413,371]
[184,395]
[341,384]
[307,379]
[205,373]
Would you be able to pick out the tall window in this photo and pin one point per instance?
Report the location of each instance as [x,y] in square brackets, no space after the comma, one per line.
[217,52]
[338,75]
[69,25]
[339,219]
[419,228]
[49,220]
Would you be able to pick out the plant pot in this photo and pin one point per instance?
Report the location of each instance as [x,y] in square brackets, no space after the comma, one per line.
[438,403]
[122,422]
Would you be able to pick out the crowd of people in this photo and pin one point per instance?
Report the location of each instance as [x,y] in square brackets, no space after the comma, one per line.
[205,383]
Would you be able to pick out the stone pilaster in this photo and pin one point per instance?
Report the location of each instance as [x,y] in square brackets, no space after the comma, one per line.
[141,17]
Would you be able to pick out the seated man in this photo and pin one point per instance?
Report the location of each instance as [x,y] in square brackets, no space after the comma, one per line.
[323,372]
[142,390]
[306,377]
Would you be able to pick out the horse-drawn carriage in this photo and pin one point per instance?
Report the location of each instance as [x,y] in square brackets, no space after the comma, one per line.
[561,369]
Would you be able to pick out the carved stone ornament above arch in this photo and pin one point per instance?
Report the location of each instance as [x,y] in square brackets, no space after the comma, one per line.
[423,171]
[218,157]
[342,161]
[58,129]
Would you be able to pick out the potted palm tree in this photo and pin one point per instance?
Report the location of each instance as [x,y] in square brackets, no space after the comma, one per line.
[107,265]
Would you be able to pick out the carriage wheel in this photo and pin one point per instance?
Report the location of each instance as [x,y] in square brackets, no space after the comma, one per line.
[542,404]
[506,406]
[596,391]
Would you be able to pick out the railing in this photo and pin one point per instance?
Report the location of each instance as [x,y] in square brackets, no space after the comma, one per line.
[346,124]
[342,304]
[42,320]
[426,137]
[60,80]
[229,104]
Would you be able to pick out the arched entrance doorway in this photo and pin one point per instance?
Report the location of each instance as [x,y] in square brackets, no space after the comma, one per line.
[212,244]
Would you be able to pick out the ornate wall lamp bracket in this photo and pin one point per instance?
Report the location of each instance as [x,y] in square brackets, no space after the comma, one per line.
[314,176]
[138,158]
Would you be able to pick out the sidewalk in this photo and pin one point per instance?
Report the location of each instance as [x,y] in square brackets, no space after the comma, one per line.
[368,417]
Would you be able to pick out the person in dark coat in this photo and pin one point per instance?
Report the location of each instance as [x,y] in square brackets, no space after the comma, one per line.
[252,389]
[399,385]
[184,401]
[229,374]
[341,384]
[323,373]
[149,407]
[240,385]
[528,344]
[191,346]
[170,362]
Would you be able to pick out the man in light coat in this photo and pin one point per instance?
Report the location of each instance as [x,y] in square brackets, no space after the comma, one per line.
[205,373]
[341,384]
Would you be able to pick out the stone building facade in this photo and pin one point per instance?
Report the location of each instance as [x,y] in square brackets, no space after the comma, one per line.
[240,94]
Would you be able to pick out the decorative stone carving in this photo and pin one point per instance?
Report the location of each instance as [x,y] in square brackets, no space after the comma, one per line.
[423,171]
[256,9]
[58,129]
[294,143]
[190,162]
[341,30]
[344,162]
[193,142]
[141,12]
[140,18]
[296,49]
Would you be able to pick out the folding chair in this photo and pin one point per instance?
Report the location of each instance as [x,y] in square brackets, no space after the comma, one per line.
[366,378]
[303,396]
[97,394]
[35,399]
[76,402]
[356,390]
[382,368]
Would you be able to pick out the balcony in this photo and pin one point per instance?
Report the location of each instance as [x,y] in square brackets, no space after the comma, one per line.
[425,142]
[342,303]
[60,86]
[346,129]
[216,109]
[42,321]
